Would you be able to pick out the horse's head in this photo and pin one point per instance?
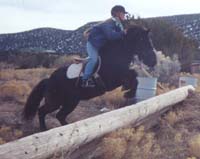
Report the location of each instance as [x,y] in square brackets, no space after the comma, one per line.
[139,43]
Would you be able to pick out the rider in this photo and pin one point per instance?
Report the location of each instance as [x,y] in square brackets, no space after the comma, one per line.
[111,29]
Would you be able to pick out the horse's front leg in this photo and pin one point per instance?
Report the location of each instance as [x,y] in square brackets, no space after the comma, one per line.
[131,93]
[66,109]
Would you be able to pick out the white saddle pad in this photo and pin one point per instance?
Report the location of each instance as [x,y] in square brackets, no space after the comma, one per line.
[74,70]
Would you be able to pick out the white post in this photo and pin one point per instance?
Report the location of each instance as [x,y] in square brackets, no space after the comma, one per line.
[68,138]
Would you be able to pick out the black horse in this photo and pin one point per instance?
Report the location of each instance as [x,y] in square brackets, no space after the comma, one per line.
[62,93]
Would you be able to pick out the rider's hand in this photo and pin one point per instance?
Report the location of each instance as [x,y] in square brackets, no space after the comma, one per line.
[86,34]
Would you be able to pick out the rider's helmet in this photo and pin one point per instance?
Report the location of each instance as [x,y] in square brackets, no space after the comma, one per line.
[116,9]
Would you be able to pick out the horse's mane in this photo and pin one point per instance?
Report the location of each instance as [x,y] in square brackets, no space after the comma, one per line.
[136,27]
[135,24]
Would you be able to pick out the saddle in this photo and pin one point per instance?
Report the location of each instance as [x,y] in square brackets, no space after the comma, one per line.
[76,69]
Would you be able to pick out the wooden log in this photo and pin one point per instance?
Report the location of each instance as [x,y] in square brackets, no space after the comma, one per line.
[66,139]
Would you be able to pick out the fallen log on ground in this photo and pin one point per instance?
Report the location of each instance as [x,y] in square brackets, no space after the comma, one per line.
[66,139]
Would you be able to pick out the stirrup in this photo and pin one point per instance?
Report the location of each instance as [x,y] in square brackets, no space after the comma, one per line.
[88,83]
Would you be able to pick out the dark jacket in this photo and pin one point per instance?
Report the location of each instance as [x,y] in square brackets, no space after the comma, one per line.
[103,32]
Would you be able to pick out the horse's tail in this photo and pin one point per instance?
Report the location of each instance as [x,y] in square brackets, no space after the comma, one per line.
[34,99]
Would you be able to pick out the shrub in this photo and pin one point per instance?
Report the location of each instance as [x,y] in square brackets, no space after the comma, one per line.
[167,68]
[24,61]
[5,65]
[171,40]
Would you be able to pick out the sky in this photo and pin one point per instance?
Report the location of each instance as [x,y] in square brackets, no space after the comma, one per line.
[22,15]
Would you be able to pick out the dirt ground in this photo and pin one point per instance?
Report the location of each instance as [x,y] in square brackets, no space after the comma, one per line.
[175,136]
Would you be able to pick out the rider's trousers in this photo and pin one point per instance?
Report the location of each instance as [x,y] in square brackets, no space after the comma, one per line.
[92,61]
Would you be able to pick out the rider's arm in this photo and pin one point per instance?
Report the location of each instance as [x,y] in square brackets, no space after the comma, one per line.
[111,33]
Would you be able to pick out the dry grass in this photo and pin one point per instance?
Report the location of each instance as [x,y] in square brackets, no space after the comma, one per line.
[14,90]
[130,143]
[171,117]
[4,65]
[110,145]
[176,135]
[163,88]
[8,134]
[113,99]
[16,84]
[191,158]
[194,145]
[27,74]
[2,141]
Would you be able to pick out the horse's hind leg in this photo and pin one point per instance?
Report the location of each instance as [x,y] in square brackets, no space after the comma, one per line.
[43,111]
[66,109]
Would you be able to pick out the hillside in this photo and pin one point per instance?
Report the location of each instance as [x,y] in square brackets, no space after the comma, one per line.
[65,41]
[189,24]
[45,40]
